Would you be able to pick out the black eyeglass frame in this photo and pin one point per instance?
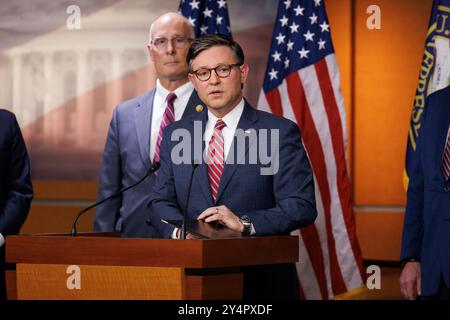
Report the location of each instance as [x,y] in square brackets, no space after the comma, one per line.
[230,66]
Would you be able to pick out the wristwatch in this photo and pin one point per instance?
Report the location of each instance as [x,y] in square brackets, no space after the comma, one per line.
[246,232]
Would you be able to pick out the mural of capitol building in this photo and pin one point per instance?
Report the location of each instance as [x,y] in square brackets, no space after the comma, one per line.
[63,84]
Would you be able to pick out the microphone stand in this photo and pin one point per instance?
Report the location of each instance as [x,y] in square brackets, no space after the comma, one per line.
[73,231]
[195,164]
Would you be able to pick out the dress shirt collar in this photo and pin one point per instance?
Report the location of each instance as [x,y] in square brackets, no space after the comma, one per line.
[180,91]
[231,119]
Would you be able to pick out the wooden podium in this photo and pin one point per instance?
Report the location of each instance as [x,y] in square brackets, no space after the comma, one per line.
[105,266]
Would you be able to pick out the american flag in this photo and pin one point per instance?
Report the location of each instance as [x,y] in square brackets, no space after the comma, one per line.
[207,16]
[302,84]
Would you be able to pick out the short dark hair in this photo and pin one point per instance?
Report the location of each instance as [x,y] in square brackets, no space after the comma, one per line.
[214,40]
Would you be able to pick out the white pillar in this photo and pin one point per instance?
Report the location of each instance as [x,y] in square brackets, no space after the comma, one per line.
[84,105]
[16,85]
[115,91]
[49,128]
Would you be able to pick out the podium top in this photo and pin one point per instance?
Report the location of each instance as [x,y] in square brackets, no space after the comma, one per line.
[90,249]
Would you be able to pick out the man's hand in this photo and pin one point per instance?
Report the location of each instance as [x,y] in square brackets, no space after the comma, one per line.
[222,215]
[410,284]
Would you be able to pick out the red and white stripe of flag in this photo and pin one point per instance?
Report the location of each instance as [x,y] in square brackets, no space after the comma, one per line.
[330,258]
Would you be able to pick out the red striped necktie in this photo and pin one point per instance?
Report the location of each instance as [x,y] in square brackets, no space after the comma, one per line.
[168,118]
[446,158]
[215,157]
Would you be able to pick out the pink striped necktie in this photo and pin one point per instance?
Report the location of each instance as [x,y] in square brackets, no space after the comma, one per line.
[446,159]
[216,157]
[168,118]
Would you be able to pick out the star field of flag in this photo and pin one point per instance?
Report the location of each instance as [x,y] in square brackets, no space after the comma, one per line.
[207,16]
[303,38]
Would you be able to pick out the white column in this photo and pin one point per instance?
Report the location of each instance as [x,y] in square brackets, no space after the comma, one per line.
[49,128]
[16,85]
[115,91]
[84,102]
[116,67]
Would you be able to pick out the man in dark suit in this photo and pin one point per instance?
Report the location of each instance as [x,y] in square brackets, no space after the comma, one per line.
[136,130]
[16,191]
[426,230]
[246,193]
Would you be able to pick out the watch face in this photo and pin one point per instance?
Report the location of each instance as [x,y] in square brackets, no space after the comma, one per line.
[247,225]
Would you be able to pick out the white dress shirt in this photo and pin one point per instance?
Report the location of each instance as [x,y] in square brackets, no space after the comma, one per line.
[231,120]
[2,240]
[159,106]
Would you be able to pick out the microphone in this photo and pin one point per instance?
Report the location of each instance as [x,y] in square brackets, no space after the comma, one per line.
[73,232]
[195,164]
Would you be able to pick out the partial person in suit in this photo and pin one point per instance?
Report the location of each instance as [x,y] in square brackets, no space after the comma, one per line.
[426,229]
[134,137]
[16,191]
[251,197]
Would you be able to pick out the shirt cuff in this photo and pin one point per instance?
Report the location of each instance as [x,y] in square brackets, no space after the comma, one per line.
[2,240]
[174,233]
[405,261]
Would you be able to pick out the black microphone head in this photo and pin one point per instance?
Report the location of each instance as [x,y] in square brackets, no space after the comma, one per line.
[195,163]
[155,166]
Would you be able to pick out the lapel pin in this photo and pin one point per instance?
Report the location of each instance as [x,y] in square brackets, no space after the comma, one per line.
[199,108]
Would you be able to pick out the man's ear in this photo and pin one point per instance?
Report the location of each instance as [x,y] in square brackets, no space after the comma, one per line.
[150,52]
[244,72]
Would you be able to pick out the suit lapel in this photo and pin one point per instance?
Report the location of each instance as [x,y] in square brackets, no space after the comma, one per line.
[194,105]
[197,107]
[247,121]
[143,120]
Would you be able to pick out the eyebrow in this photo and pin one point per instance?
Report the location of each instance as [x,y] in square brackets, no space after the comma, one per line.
[174,36]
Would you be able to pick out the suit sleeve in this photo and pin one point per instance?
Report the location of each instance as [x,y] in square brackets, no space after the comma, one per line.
[107,214]
[293,187]
[413,220]
[20,193]
[163,200]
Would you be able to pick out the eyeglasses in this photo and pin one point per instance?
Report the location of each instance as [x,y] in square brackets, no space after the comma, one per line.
[177,42]
[222,71]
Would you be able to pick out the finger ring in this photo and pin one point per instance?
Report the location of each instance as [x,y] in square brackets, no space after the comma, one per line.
[217,210]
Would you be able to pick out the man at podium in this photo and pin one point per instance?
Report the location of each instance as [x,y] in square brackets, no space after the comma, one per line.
[16,190]
[248,168]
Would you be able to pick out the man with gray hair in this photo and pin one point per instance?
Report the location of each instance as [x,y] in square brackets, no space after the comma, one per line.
[135,132]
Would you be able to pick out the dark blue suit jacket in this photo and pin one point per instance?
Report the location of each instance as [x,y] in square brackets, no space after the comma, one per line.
[426,230]
[276,204]
[15,183]
[126,159]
